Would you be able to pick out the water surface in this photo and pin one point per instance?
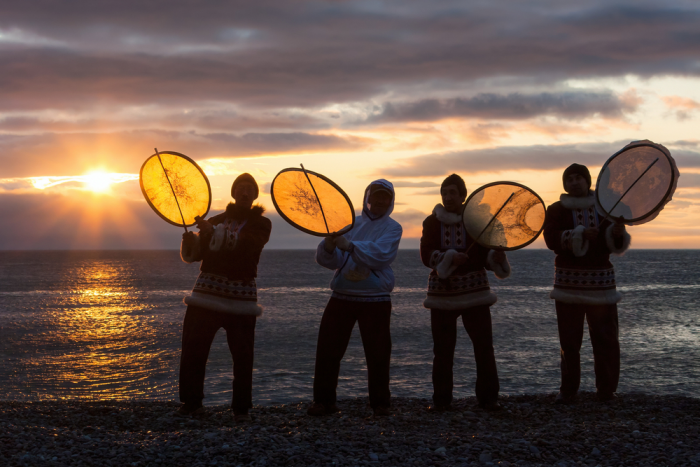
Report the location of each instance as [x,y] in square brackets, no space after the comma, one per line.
[107,325]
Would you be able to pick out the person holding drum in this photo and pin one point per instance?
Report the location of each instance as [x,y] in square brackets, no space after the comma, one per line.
[361,285]
[225,296]
[584,283]
[458,286]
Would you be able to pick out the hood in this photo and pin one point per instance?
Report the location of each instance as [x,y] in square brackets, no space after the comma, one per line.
[365,204]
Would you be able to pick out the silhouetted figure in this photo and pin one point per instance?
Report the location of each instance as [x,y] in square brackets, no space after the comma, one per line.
[361,288]
[584,283]
[458,286]
[224,296]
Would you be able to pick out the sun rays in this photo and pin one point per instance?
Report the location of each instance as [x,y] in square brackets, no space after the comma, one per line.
[97,181]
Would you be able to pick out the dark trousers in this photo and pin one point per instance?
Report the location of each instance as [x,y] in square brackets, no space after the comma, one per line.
[337,322]
[603,328]
[477,322]
[198,332]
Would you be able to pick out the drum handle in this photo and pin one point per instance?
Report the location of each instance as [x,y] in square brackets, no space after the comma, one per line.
[172,189]
[317,199]
[487,225]
[635,182]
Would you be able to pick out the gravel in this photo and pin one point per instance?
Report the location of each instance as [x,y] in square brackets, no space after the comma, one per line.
[634,430]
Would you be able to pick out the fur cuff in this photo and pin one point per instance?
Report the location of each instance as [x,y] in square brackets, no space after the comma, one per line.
[610,241]
[460,302]
[445,268]
[502,270]
[191,251]
[448,218]
[588,297]
[579,245]
[218,237]
[224,305]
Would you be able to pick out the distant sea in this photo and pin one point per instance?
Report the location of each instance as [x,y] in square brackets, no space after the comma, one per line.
[107,325]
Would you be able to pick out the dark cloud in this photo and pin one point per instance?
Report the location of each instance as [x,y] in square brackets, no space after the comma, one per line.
[306,54]
[684,144]
[107,222]
[75,153]
[206,120]
[88,221]
[40,221]
[410,217]
[538,157]
[689,180]
[10,184]
[687,194]
[515,106]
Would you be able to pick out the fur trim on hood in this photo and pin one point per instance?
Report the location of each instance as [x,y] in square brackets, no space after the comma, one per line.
[237,212]
[449,218]
[577,202]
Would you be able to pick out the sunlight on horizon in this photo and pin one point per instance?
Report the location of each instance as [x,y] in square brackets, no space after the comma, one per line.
[96,181]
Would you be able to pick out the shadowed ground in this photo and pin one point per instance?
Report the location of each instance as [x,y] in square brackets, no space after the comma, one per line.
[634,430]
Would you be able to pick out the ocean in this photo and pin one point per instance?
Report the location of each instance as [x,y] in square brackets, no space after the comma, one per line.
[107,325]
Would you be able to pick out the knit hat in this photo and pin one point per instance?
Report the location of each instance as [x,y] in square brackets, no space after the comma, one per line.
[582,170]
[455,179]
[245,178]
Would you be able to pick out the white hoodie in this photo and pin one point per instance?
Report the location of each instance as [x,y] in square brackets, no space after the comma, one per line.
[366,273]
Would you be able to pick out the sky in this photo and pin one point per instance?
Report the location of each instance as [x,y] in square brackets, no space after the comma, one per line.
[410,91]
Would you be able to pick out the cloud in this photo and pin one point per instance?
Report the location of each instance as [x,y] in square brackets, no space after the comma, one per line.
[571,105]
[537,157]
[684,144]
[71,153]
[104,222]
[410,184]
[309,54]
[689,180]
[677,102]
[686,194]
[683,106]
[162,118]
[410,217]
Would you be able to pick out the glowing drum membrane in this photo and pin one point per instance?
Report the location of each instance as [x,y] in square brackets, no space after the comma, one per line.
[636,182]
[311,202]
[185,188]
[519,215]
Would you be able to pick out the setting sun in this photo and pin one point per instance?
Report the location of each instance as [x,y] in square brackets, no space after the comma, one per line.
[98,181]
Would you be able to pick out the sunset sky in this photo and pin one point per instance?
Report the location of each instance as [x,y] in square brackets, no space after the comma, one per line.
[410,91]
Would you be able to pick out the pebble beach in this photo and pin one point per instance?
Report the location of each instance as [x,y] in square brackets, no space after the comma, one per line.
[530,430]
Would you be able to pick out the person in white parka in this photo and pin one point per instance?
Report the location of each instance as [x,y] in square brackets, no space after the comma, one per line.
[361,285]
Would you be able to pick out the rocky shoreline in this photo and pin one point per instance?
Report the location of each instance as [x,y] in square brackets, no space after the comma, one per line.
[634,430]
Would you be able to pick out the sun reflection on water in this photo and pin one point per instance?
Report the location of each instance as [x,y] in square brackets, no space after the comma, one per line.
[100,341]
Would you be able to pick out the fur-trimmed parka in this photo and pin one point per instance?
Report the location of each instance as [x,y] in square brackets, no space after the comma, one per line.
[221,254]
[229,256]
[452,287]
[583,271]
